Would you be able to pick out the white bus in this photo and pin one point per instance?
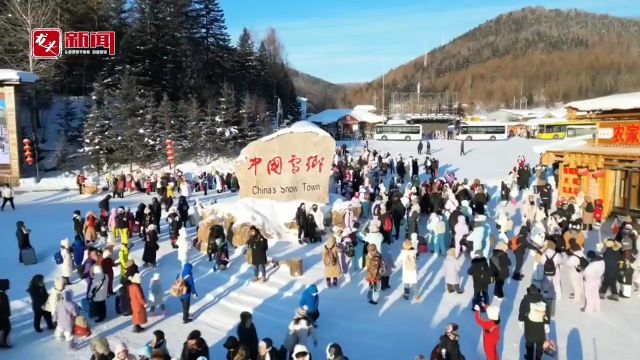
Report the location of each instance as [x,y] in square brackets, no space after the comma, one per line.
[483,131]
[398,132]
[581,130]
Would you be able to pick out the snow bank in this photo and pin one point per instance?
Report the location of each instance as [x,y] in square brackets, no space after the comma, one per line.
[626,101]
[297,127]
[17,76]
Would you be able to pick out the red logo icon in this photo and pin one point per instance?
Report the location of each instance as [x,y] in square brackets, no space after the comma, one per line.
[46,43]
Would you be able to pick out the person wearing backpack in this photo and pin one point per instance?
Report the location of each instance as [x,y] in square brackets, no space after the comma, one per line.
[481,276]
[347,247]
[409,269]
[375,269]
[611,256]
[518,245]
[66,267]
[534,320]
[588,210]
[576,263]
[499,263]
[330,258]
[552,261]
[490,330]
[386,221]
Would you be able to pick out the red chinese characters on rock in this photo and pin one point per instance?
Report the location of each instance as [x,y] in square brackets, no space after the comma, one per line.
[275,166]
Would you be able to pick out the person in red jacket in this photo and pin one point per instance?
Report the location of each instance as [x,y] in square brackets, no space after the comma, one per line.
[107,265]
[490,330]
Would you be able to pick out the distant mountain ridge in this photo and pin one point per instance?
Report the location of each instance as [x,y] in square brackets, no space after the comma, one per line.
[543,56]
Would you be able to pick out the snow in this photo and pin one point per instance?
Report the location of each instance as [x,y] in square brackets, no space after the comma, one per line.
[628,101]
[17,76]
[331,116]
[297,127]
[394,329]
[368,108]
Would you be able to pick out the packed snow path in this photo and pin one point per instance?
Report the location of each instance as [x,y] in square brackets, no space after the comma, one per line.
[394,329]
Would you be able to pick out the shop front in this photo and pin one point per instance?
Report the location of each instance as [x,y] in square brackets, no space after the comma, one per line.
[607,169]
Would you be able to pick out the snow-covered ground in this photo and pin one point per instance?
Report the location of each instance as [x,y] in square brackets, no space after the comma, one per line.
[394,329]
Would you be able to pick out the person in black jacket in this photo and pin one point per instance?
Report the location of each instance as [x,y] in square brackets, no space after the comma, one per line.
[505,190]
[5,314]
[258,246]
[174,227]
[481,275]
[156,211]
[401,171]
[500,268]
[480,200]
[545,197]
[449,347]
[534,317]
[397,213]
[78,224]
[39,297]
[183,210]
[194,347]
[611,257]
[267,351]
[231,345]
[22,234]
[104,203]
[150,246]
[247,334]
[301,221]
[139,218]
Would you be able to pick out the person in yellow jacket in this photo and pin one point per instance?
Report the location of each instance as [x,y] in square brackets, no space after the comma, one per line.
[122,227]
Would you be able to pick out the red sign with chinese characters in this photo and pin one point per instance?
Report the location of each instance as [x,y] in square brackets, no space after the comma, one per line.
[290,166]
[570,183]
[619,133]
[48,43]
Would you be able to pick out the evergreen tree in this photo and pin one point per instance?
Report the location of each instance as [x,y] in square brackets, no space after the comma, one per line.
[99,136]
[250,128]
[246,62]
[130,111]
[61,156]
[180,131]
[227,120]
[69,122]
[209,48]
[152,132]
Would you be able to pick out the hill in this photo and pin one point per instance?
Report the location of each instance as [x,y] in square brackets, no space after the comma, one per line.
[546,56]
[321,93]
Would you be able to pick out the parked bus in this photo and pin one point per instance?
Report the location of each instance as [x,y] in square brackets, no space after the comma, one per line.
[483,131]
[398,132]
[581,130]
[558,130]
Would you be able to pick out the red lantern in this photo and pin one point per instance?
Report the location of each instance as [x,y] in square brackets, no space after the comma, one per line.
[598,173]
[28,155]
[583,171]
[170,152]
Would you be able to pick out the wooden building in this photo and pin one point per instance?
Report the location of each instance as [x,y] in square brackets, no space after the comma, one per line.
[607,167]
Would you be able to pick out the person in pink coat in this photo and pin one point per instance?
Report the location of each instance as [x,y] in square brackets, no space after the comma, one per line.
[452,272]
[461,229]
[592,280]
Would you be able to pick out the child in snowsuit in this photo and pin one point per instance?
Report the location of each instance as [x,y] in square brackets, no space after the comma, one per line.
[490,331]
[452,272]
[155,293]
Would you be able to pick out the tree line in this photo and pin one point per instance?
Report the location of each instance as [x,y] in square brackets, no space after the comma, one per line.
[176,75]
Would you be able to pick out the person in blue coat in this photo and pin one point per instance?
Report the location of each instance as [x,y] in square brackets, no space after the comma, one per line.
[187,275]
[311,300]
[78,247]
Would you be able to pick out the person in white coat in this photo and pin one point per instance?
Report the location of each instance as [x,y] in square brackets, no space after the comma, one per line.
[409,263]
[185,190]
[218,179]
[575,277]
[452,272]
[183,247]
[300,329]
[554,288]
[349,218]
[98,293]
[592,280]
[66,268]
[55,296]
[318,217]
[155,294]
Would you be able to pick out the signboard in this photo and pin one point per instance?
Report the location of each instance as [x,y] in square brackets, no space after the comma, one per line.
[292,164]
[619,133]
[570,184]
[4,132]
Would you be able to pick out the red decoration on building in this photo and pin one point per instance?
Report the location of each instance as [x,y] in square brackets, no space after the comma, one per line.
[171,158]
[28,155]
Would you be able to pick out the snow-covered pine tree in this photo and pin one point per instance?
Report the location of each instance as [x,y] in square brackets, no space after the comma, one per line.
[129,121]
[183,135]
[61,156]
[69,122]
[99,136]
[227,121]
[246,63]
[151,130]
[250,128]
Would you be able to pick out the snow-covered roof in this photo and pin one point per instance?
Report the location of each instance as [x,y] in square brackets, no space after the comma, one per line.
[369,108]
[9,76]
[331,116]
[628,101]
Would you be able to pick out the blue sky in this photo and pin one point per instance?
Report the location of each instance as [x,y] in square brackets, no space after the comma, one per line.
[357,40]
